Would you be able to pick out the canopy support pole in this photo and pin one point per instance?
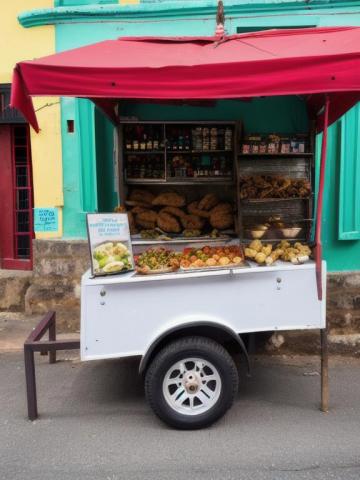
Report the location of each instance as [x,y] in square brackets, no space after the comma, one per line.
[318,244]
[324,407]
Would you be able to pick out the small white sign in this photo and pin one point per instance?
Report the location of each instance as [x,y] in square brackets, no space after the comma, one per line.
[110,244]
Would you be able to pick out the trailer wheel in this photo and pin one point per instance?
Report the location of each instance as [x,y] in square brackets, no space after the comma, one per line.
[191,383]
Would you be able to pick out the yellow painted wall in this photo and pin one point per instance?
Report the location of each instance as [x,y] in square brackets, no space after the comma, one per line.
[18,43]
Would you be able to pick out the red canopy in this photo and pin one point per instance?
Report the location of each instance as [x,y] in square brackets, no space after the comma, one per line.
[309,62]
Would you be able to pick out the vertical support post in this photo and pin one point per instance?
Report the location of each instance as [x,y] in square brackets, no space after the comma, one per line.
[30,382]
[52,336]
[318,244]
[324,371]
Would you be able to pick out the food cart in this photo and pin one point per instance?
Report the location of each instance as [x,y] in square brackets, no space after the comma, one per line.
[249,269]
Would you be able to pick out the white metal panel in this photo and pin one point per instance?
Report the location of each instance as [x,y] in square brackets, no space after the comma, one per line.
[133,312]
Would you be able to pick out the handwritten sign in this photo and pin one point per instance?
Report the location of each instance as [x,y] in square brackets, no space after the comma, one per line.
[110,243]
[46,220]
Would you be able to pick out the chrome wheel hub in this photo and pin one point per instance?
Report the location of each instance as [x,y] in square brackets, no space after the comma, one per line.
[192,386]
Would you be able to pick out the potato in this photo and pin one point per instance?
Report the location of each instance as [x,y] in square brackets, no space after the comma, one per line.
[250,253]
[267,249]
[256,245]
[260,257]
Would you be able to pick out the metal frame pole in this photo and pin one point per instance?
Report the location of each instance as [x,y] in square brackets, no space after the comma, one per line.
[319,209]
[30,382]
[34,344]
[318,257]
[52,337]
[324,371]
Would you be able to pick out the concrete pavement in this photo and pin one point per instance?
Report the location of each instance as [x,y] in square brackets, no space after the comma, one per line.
[96,425]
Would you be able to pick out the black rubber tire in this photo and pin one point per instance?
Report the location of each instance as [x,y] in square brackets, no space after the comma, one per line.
[201,347]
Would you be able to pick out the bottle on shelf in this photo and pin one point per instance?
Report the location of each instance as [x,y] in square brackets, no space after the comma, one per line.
[187,142]
[135,144]
[213,138]
[206,139]
[142,169]
[180,140]
[216,166]
[228,139]
[143,141]
[221,138]
[149,141]
[155,142]
[128,140]
[197,138]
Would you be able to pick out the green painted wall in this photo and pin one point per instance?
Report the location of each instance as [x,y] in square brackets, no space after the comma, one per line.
[107,197]
[267,115]
[83,164]
[79,165]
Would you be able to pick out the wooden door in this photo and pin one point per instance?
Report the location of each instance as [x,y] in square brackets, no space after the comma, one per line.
[16,225]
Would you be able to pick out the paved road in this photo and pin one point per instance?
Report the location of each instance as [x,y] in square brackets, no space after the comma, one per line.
[95,425]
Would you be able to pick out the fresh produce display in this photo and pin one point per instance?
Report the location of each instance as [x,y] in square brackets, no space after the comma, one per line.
[273,186]
[111,257]
[266,254]
[164,260]
[157,260]
[220,256]
[170,212]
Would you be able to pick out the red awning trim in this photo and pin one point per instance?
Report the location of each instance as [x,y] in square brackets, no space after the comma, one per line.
[21,99]
[276,62]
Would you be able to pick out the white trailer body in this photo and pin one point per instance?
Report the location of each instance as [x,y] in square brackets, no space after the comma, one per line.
[123,315]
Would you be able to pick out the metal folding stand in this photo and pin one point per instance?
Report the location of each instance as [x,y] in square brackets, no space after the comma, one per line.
[34,344]
[318,257]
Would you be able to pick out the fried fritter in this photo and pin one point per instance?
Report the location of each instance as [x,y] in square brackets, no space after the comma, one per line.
[177,212]
[221,208]
[169,199]
[147,219]
[270,186]
[192,222]
[221,220]
[141,196]
[193,209]
[168,223]
[208,202]
[138,209]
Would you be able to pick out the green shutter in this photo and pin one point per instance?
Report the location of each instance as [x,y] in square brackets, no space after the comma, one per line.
[349,189]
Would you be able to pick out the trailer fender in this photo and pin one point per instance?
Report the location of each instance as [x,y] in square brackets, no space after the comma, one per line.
[206,329]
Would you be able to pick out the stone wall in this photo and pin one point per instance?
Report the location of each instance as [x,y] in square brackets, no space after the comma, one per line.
[13,287]
[55,284]
[58,266]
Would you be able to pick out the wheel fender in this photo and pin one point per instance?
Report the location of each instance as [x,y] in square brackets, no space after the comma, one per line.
[188,327]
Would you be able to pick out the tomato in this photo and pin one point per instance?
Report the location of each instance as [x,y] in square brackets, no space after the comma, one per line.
[187,250]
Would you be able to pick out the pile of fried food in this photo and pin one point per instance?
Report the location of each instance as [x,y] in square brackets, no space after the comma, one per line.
[226,256]
[273,186]
[170,213]
[157,260]
[163,260]
[266,254]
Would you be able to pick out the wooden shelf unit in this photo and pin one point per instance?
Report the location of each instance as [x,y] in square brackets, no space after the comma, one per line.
[304,218]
